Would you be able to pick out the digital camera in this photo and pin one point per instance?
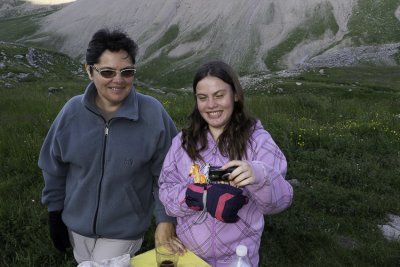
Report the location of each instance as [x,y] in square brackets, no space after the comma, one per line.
[215,174]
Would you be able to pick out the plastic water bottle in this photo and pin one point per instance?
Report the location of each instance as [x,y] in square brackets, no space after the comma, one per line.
[241,260]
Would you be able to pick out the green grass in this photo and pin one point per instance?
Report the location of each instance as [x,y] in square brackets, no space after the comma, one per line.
[169,36]
[340,133]
[172,73]
[9,27]
[375,22]
[339,130]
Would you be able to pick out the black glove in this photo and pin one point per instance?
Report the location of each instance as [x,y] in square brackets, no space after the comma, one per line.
[224,202]
[58,231]
[194,196]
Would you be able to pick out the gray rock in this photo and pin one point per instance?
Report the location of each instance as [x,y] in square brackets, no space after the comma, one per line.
[53,90]
[391,230]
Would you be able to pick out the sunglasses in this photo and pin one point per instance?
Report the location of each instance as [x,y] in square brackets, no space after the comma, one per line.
[110,73]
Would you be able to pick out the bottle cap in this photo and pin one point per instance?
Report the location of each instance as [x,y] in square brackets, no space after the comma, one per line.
[241,250]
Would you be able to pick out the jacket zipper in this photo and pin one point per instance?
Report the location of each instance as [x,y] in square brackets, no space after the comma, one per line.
[106,129]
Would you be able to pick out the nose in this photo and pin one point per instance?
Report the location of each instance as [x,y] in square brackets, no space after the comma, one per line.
[118,78]
[211,102]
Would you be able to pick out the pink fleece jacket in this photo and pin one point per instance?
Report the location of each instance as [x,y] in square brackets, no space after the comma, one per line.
[213,240]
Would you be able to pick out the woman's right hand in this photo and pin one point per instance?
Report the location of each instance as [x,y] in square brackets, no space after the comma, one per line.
[242,175]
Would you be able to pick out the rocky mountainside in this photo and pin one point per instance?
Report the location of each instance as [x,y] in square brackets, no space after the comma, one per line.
[13,8]
[253,35]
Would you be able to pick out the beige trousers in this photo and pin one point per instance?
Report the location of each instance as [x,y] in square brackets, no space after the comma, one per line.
[98,249]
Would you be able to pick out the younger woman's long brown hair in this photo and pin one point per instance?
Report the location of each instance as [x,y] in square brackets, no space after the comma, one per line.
[236,135]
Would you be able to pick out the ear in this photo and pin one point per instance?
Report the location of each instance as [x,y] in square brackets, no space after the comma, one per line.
[87,67]
[236,98]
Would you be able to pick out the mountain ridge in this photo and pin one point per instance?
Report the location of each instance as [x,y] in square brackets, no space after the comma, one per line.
[227,28]
[253,35]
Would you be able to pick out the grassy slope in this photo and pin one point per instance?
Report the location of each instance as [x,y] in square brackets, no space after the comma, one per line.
[339,130]
[375,23]
[15,28]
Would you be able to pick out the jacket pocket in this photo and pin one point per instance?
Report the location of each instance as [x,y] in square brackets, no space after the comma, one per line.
[134,199]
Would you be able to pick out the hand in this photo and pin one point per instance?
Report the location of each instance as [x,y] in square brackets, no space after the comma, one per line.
[224,202]
[165,232]
[242,175]
[58,231]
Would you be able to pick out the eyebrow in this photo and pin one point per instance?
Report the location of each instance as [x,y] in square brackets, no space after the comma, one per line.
[110,68]
[219,91]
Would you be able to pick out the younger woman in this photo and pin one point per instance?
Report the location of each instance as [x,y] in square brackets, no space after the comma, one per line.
[213,219]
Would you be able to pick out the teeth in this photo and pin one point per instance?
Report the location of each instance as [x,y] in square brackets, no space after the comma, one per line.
[214,114]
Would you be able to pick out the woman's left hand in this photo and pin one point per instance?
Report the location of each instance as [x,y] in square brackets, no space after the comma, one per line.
[242,175]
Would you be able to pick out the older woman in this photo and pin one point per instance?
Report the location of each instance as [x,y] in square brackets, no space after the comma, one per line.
[102,157]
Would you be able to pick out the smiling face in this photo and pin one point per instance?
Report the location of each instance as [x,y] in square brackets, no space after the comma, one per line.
[111,91]
[215,101]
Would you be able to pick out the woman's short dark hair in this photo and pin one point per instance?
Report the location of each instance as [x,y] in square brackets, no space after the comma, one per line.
[115,40]
[235,137]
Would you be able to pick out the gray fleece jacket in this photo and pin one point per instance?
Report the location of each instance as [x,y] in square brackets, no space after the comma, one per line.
[104,174]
